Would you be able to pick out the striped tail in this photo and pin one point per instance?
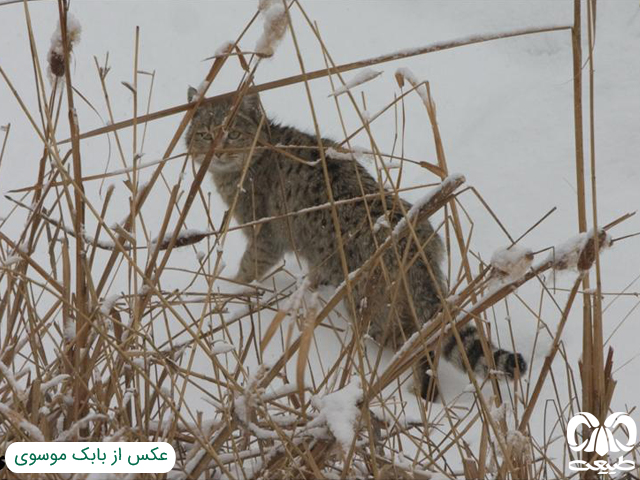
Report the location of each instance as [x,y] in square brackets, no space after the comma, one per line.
[509,363]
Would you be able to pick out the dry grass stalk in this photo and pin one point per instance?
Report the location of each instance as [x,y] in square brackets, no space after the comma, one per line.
[323,73]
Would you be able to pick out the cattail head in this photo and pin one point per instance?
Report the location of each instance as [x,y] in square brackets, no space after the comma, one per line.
[275,26]
[55,56]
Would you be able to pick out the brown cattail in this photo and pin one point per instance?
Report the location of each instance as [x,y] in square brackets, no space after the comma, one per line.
[55,57]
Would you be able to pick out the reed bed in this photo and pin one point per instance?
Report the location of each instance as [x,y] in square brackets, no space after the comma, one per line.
[97,344]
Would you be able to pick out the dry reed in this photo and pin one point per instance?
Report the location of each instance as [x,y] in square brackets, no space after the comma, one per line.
[82,360]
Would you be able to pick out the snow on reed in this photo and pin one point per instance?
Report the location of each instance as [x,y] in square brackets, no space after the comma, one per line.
[421,202]
[55,56]
[578,253]
[340,411]
[512,262]
[274,28]
[364,76]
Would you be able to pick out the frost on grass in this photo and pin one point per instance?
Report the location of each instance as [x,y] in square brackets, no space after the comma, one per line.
[340,411]
[511,263]
[274,27]
[55,56]
[362,77]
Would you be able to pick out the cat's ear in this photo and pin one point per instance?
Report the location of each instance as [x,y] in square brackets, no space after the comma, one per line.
[191,93]
[251,106]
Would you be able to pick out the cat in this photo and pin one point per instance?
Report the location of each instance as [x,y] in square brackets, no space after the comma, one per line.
[288,178]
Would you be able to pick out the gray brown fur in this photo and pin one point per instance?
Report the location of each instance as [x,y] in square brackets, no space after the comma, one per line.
[393,308]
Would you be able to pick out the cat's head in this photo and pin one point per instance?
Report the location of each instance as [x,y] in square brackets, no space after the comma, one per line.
[232,151]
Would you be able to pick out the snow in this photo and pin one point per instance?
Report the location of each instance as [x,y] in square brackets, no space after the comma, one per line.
[34,432]
[518,443]
[192,463]
[72,432]
[201,90]
[56,49]
[293,303]
[222,347]
[247,400]
[470,388]
[422,201]
[340,410]
[11,380]
[70,330]
[405,73]
[107,304]
[224,48]
[282,391]
[54,382]
[333,153]
[185,237]
[275,26]
[11,260]
[512,262]
[566,256]
[361,77]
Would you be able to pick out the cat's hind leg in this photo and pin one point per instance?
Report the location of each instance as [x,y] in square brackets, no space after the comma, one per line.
[509,363]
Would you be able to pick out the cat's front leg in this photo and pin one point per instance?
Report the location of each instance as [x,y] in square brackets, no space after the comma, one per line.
[262,253]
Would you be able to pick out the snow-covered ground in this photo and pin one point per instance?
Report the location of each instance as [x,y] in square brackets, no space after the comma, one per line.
[505,111]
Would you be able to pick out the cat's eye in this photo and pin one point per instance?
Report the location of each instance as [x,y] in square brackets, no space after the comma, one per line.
[234,135]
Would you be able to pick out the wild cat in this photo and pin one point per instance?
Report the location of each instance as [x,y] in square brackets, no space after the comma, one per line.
[392,305]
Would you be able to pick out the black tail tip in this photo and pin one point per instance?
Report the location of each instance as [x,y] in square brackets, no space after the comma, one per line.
[510,363]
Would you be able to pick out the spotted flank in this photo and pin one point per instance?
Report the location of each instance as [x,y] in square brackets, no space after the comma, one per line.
[264,170]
